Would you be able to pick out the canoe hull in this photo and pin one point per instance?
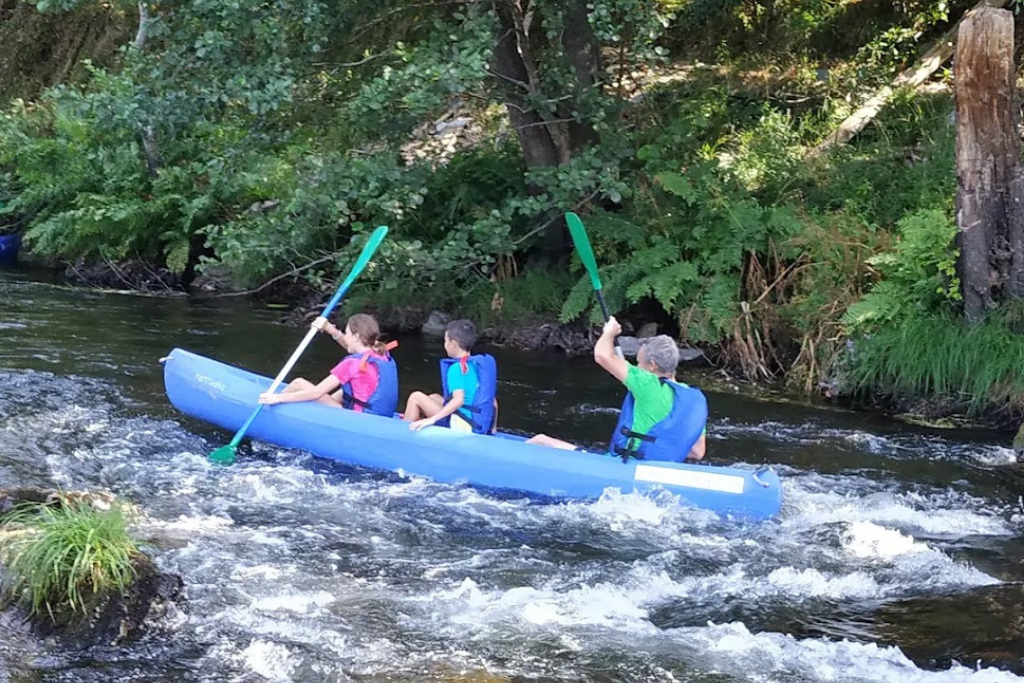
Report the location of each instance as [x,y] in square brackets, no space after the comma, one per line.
[225,396]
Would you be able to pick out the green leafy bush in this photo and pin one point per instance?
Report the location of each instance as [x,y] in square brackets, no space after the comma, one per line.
[57,557]
[918,276]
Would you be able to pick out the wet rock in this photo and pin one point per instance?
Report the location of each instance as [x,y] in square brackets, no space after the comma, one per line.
[11,498]
[647,331]
[110,617]
[117,618]
[213,279]
[435,324]
[631,346]
[688,354]
[541,336]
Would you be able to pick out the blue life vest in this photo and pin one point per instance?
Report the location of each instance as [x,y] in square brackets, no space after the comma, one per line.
[384,400]
[673,437]
[481,413]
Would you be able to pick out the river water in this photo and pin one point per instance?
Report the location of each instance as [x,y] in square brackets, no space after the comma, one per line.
[897,555]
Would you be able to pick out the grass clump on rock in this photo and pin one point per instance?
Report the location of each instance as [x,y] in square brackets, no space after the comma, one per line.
[59,558]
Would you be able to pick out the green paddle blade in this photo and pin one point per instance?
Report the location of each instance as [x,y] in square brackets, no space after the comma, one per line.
[225,455]
[582,242]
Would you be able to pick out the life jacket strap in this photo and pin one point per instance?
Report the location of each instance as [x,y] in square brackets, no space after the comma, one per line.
[350,399]
[625,451]
[625,431]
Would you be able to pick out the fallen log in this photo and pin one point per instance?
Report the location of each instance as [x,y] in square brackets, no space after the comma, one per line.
[913,77]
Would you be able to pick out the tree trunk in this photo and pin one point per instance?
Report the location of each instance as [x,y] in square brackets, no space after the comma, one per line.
[141,34]
[581,51]
[991,236]
[538,148]
[547,124]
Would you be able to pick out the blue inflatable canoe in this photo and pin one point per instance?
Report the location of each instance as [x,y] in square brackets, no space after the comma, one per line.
[9,245]
[225,396]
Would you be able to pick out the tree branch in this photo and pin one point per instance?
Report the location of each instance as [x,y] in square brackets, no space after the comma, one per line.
[525,86]
[140,36]
[398,10]
[545,226]
[278,278]
[348,65]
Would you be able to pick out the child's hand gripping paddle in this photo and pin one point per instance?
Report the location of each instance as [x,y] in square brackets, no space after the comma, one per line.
[225,455]
[579,238]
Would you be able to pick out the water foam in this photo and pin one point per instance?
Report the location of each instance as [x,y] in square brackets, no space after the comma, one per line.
[270,660]
[733,649]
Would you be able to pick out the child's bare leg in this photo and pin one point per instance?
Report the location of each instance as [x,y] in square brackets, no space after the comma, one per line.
[301,384]
[298,384]
[329,400]
[545,440]
[420,405]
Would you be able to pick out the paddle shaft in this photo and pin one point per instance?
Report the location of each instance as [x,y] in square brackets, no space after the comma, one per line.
[604,311]
[368,249]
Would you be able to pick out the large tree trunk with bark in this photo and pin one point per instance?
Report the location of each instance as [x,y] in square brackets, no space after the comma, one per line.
[550,132]
[990,184]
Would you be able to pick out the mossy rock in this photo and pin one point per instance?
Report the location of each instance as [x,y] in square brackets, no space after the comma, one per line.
[106,617]
[932,423]
[116,618]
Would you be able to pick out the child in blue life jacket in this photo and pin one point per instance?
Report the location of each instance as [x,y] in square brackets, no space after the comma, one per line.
[469,383]
[661,419]
[366,380]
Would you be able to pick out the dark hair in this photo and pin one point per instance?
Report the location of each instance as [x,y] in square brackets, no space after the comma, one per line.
[462,332]
[366,328]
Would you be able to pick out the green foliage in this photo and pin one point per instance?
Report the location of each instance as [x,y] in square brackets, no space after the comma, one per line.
[918,276]
[537,293]
[878,30]
[268,137]
[929,354]
[428,73]
[88,187]
[56,558]
[689,238]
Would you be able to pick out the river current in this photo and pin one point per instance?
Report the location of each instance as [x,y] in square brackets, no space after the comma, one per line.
[896,557]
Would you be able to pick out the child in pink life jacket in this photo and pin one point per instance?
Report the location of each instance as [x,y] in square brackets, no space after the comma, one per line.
[366,380]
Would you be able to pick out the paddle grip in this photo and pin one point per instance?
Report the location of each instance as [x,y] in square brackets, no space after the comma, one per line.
[607,315]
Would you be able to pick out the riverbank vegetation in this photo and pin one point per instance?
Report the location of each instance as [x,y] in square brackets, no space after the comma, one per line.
[255,142]
[61,559]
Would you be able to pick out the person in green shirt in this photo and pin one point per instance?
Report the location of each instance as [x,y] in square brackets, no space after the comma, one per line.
[653,398]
